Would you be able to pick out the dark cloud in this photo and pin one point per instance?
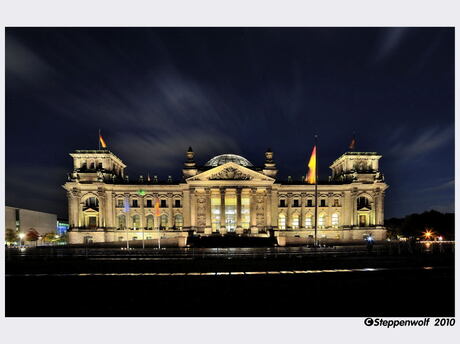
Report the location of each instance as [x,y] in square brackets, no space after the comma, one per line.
[154,92]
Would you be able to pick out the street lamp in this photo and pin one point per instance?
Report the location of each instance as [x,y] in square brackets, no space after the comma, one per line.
[428,234]
[21,236]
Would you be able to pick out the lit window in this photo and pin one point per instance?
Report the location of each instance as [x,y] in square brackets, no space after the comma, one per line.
[321,221]
[335,220]
[308,222]
[230,213]
[282,221]
[215,212]
[178,221]
[295,221]
[149,219]
[245,212]
[163,221]
[121,221]
[136,221]
[336,203]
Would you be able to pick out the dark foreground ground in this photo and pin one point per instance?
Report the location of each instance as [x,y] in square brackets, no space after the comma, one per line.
[329,282]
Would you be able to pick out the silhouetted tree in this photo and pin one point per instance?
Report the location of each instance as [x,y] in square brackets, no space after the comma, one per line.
[32,235]
[11,235]
[415,224]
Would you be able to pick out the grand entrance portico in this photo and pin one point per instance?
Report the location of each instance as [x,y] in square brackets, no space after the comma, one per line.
[231,198]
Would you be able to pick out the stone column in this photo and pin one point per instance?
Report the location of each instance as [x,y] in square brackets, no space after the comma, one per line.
[192,208]
[186,207]
[289,217]
[275,208]
[142,200]
[109,209]
[222,208]
[303,203]
[253,211]
[208,227]
[239,228]
[170,211]
[268,207]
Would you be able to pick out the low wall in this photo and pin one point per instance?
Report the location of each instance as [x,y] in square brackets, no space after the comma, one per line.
[328,236]
[81,237]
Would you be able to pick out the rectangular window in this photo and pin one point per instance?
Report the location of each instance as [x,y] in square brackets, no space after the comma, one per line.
[135,205]
[282,202]
[215,212]
[119,203]
[177,203]
[322,203]
[321,221]
[163,203]
[309,203]
[149,203]
[336,203]
[296,203]
[308,222]
[230,213]
[245,212]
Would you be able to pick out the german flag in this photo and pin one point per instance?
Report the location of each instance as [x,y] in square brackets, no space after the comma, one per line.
[352,145]
[102,142]
[311,176]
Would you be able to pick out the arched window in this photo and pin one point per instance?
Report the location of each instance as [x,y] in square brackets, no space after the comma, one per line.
[92,203]
[295,221]
[121,222]
[149,221]
[308,221]
[363,202]
[163,221]
[282,221]
[335,220]
[322,221]
[136,221]
[91,166]
[178,221]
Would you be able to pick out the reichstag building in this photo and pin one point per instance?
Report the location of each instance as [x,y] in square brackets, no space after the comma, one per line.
[226,196]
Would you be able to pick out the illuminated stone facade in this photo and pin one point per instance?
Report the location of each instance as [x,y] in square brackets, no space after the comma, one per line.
[226,195]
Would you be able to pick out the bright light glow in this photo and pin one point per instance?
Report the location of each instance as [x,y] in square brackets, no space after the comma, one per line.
[440,238]
[21,235]
[369,238]
[428,234]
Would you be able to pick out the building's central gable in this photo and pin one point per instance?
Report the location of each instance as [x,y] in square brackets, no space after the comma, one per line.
[230,171]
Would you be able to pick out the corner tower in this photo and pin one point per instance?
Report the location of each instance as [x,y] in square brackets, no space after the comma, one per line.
[96,165]
[357,167]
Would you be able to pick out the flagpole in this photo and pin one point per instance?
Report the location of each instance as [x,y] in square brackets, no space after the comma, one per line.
[316,192]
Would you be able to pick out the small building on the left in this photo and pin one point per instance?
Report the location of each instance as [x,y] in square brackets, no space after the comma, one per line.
[23,221]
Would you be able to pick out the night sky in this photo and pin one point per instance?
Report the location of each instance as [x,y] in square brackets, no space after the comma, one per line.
[154,92]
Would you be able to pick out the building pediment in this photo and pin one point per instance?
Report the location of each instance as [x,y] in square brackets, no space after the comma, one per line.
[230,172]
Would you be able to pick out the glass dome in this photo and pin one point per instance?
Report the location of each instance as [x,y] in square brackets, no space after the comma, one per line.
[224,158]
